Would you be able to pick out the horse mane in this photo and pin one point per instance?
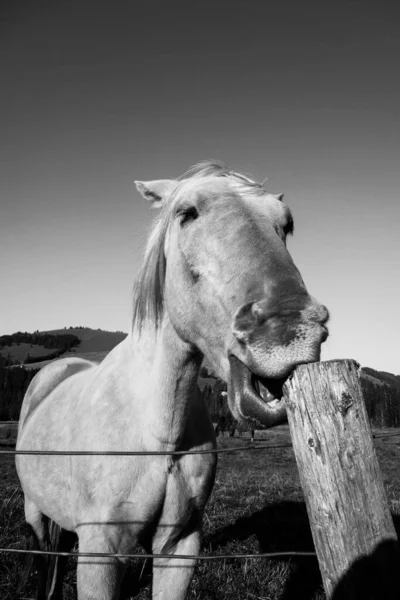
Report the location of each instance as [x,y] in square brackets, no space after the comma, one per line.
[148,301]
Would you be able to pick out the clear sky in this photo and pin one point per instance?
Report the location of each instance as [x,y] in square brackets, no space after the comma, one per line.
[97,94]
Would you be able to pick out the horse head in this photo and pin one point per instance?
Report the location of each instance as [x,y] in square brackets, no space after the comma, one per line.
[218,266]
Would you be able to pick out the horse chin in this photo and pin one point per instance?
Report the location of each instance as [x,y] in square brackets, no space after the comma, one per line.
[255,399]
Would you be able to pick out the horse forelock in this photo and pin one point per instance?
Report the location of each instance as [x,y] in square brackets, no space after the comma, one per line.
[244,183]
[149,287]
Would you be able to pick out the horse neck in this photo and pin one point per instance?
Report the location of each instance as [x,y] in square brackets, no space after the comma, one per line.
[166,369]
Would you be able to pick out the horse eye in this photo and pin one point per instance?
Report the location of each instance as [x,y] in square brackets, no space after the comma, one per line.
[187,215]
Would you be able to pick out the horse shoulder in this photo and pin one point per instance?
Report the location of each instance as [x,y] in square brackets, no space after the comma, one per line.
[48,378]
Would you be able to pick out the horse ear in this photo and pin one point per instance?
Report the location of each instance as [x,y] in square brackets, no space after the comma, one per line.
[156,192]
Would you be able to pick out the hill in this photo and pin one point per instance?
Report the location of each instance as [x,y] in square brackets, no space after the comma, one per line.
[382,377]
[84,342]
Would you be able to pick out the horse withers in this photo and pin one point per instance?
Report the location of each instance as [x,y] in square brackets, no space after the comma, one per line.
[218,281]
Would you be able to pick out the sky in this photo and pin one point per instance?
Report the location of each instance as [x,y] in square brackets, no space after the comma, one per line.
[97,94]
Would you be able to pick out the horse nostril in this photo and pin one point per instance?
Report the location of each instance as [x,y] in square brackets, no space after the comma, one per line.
[251,315]
[244,319]
[259,313]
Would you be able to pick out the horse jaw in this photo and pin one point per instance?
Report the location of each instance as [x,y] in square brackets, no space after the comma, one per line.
[254,400]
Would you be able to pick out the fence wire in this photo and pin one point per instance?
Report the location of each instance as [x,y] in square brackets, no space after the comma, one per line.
[254,446]
[160,556]
[381,436]
[142,556]
[145,452]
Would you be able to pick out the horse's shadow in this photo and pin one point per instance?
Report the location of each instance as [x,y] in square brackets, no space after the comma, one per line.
[284,527]
[281,527]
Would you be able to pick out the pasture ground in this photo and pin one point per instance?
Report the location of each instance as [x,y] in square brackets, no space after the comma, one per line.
[256,506]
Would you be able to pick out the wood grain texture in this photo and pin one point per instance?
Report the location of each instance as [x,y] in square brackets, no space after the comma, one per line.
[351,523]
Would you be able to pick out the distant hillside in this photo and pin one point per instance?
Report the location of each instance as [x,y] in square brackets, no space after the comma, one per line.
[100,341]
[18,353]
[23,354]
[93,340]
[383,377]
[93,344]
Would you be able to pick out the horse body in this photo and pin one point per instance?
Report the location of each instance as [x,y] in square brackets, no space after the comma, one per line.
[217,281]
[113,503]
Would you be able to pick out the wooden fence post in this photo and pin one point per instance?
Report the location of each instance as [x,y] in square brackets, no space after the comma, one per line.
[351,524]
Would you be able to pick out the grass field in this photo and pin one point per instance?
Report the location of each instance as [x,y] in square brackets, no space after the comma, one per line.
[256,506]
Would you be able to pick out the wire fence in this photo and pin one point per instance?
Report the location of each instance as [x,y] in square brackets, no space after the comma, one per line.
[160,556]
[254,446]
[385,435]
[146,452]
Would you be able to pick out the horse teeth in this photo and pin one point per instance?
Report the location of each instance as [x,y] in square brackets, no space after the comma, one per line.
[265,394]
[269,397]
[274,402]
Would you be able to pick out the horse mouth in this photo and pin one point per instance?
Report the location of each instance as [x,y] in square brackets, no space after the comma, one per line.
[253,398]
[269,390]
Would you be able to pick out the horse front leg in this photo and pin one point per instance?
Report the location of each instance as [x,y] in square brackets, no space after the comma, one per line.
[98,578]
[172,577]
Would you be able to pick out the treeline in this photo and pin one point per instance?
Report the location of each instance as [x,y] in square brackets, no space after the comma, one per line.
[60,341]
[388,378]
[13,384]
[382,402]
[382,397]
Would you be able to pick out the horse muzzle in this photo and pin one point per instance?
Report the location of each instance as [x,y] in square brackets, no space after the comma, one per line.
[269,342]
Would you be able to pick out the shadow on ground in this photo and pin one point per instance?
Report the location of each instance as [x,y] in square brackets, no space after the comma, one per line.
[282,527]
[285,527]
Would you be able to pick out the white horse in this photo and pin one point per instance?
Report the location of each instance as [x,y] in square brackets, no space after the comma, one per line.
[218,281]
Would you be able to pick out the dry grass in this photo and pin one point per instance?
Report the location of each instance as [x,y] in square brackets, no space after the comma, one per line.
[257,506]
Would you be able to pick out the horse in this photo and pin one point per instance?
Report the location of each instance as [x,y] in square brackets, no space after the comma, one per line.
[216,281]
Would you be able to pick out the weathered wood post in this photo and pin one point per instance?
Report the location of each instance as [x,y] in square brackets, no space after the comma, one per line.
[351,524]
